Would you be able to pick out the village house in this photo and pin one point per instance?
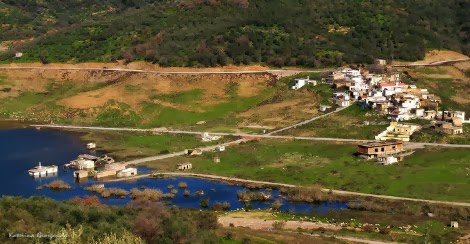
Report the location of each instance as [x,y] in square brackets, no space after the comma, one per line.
[299,83]
[334,76]
[397,131]
[430,114]
[184,166]
[18,54]
[449,115]
[391,88]
[342,102]
[380,62]
[447,127]
[379,149]
[348,72]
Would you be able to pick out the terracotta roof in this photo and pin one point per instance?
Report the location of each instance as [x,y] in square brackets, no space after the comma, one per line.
[393,84]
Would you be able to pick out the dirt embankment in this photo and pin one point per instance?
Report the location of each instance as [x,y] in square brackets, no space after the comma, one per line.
[98,87]
[140,66]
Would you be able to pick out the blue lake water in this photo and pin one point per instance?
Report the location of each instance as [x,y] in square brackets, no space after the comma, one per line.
[21,149]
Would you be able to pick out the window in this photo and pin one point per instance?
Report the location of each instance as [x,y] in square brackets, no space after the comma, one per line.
[383,149]
[376,150]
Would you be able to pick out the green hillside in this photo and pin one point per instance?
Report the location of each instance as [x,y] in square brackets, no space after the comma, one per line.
[219,32]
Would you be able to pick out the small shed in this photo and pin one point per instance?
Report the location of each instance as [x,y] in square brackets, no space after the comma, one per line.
[184,166]
[193,152]
[127,172]
[79,174]
[323,108]
[91,145]
[454,224]
[220,148]
[216,160]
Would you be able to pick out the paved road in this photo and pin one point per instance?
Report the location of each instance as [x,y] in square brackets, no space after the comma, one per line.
[414,144]
[267,183]
[307,121]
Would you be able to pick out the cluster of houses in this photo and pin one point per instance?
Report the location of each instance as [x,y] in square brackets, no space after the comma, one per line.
[396,100]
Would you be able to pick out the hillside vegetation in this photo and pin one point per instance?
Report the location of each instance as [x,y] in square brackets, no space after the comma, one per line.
[219,32]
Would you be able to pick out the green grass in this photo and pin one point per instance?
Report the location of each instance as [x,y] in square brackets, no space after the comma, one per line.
[166,116]
[125,146]
[433,173]
[467,73]
[348,123]
[186,98]
[430,71]
[445,88]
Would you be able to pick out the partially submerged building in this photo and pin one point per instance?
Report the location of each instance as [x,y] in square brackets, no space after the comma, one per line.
[129,172]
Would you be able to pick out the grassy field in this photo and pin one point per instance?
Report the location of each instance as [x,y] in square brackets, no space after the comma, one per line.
[126,146]
[433,173]
[348,123]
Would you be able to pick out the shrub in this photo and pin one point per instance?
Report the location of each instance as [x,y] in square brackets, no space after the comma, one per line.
[186,193]
[182,185]
[276,205]
[221,206]
[57,185]
[146,194]
[204,203]
[305,194]
[278,225]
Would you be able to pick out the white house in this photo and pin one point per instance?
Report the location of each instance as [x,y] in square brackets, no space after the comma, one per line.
[343,102]
[351,72]
[339,95]
[220,148]
[387,160]
[298,83]
[392,86]
[18,54]
[85,164]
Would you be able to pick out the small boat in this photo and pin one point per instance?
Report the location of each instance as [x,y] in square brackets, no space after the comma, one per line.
[40,170]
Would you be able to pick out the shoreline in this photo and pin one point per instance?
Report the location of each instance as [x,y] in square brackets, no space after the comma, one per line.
[266,183]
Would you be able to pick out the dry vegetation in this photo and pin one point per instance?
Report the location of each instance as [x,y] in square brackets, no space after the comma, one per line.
[107,192]
[57,185]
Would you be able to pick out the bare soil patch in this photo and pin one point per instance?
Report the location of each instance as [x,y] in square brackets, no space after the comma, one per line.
[435,56]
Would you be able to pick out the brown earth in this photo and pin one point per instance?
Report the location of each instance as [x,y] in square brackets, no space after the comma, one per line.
[135,88]
[139,65]
[436,55]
